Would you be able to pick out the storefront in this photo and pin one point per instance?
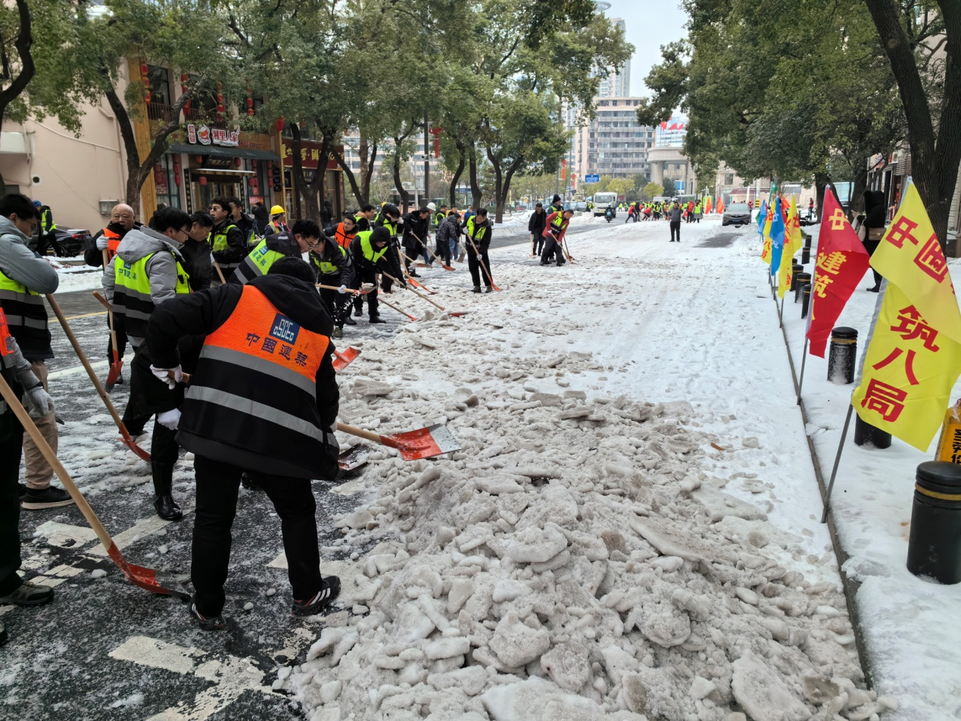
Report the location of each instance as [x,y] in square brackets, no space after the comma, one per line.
[222,162]
[310,157]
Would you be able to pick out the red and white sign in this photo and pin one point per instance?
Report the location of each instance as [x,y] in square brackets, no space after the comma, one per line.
[213,136]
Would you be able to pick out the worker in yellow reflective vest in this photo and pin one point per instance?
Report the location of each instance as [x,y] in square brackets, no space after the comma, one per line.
[304,236]
[226,239]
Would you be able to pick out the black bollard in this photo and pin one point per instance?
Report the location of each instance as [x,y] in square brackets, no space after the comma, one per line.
[806,250]
[795,269]
[802,278]
[934,547]
[842,355]
[805,299]
[867,435]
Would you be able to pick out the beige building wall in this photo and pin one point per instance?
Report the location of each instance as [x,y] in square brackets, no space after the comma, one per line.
[71,174]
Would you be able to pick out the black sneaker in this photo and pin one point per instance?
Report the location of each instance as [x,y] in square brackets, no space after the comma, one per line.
[376,319]
[358,312]
[52,497]
[28,594]
[330,589]
[349,321]
[212,623]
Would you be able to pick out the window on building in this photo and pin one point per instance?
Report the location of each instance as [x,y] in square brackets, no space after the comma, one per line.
[729,179]
[166,182]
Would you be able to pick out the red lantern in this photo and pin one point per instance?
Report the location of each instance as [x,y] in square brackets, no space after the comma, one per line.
[280,125]
[436,133]
[184,78]
[254,183]
[203,180]
[145,79]
[238,162]
[199,158]
[177,180]
[158,174]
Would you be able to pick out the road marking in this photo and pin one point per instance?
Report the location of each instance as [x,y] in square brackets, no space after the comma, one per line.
[141,529]
[64,535]
[76,370]
[232,676]
[77,317]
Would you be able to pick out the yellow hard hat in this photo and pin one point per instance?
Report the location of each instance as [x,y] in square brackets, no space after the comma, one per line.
[277,210]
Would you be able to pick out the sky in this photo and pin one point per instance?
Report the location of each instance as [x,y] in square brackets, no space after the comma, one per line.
[650,24]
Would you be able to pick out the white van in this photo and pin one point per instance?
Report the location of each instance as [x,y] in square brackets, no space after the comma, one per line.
[603,201]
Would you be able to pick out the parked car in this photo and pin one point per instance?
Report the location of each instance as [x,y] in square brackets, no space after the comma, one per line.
[580,205]
[738,214]
[72,240]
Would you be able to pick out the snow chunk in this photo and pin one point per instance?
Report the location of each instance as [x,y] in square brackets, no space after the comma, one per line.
[447,648]
[538,700]
[517,644]
[568,665]
[534,545]
[763,694]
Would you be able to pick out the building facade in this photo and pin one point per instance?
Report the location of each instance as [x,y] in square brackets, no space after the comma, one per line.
[613,143]
[82,177]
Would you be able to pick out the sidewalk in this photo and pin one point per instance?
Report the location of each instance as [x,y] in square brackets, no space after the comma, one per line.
[910,626]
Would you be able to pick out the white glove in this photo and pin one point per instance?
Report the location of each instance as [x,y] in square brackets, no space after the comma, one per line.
[479,257]
[169,419]
[164,375]
[102,242]
[38,402]
[342,289]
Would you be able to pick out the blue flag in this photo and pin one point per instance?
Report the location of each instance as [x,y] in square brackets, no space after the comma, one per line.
[777,237]
[761,217]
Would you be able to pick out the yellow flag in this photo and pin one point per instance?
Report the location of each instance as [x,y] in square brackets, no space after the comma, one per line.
[909,371]
[794,240]
[768,242]
[911,258]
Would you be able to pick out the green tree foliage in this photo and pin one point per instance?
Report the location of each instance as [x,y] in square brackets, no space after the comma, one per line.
[670,189]
[814,86]
[652,190]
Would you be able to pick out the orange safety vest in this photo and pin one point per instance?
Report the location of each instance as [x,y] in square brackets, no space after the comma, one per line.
[113,242]
[343,240]
[255,388]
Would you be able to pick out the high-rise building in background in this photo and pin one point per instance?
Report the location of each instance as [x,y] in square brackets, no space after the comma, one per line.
[618,83]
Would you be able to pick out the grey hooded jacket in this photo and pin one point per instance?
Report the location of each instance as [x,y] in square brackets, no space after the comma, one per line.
[23,265]
[161,268]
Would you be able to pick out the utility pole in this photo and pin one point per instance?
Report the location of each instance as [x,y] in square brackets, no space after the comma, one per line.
[426,160]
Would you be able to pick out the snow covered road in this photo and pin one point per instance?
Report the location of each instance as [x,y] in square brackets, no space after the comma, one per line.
[630,528]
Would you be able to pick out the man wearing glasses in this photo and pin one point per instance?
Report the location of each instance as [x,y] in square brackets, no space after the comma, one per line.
[148,270]
[303,237]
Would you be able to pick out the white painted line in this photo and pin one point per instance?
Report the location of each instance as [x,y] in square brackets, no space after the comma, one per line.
[64,535]
[141,529]
[157,654]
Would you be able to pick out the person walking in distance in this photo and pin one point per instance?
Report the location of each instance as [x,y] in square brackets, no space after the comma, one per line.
[446,238]
[479,233]
[262,401]
[47,235]
[24,278]
[675,218]
[535,226]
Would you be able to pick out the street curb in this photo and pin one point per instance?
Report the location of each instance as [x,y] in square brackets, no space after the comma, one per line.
[849,585]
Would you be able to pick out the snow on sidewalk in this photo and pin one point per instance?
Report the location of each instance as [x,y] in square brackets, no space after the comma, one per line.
[631,527]
[910,625]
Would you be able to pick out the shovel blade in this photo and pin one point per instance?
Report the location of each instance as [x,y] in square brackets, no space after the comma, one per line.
[145,578]
[113,375]
[353,457]
[423,443]
[140,452]
[343,359]
[422,287]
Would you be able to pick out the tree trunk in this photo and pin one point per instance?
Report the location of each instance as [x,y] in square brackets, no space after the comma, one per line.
[318,187]
[138,170]
[475,189]
[462,161]
[360,190]
[821,181]
[398,183]
[300,181]
[858,187]
[934,158]
[23,44]
[367,172]
[498,185]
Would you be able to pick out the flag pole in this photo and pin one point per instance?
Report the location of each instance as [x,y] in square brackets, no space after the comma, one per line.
[837,462]
[804,360]
[780,314]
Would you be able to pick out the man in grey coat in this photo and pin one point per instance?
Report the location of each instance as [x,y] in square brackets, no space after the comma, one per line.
[25,278]
[675,218]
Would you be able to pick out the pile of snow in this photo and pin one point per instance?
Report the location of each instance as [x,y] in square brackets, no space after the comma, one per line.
[77,276]
[581,557]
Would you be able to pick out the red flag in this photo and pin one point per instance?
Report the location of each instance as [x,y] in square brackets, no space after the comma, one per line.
[841,263]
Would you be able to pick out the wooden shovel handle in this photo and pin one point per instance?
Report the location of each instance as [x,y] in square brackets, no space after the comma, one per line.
[31,428]
[220,272]
[410,287]
[86,364]
[480,261]
[336,287]
[391,305]
[360,433]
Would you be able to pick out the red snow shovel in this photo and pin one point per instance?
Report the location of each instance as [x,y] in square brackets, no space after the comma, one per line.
[342,360]
[117,364]
[422,443]
[482,264]
[125,435]
[433,254]
[137,575]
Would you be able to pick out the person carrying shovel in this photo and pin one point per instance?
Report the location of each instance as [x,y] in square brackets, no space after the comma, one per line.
[263,400]
[554,233]
[479,232]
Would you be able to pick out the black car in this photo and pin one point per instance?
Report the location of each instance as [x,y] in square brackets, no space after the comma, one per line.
[738,214]
[71,240]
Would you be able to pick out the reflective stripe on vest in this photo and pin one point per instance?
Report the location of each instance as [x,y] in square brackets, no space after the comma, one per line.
[26,317]
[470,230]
[370,255]
[257,263]
[256,382]
[131,294]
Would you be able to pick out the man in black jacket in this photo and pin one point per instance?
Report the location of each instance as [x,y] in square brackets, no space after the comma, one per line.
[263,400]
[535,227]
[370,253]
[416,225]
[479,233]
[227,239]
[333,267]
